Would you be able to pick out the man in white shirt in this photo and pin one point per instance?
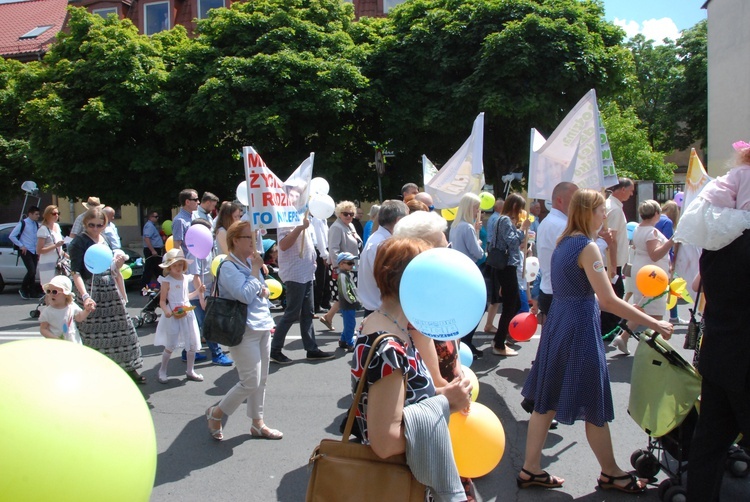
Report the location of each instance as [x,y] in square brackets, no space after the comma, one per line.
[550,229]
[390,212]
[617,223]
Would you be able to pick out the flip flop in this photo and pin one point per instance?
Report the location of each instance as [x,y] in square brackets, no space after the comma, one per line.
[543,480]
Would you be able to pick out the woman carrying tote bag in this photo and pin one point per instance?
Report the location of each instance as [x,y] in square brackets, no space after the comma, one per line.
[241,280]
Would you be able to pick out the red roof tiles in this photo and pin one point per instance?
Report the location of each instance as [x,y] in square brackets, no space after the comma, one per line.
[19,17]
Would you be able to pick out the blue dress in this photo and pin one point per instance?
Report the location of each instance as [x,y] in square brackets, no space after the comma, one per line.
[569,374]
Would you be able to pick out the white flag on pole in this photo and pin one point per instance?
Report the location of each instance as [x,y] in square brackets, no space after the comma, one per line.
[271,202]
[463,173]
[428,170]
[577,151]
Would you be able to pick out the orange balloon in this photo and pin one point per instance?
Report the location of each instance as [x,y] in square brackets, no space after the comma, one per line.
[478,440]
[651,280]
[169,244]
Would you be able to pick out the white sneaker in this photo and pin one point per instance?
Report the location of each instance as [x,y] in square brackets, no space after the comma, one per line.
[620,344]
[678,320]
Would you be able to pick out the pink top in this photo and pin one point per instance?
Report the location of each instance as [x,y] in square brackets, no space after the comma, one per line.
[731,190]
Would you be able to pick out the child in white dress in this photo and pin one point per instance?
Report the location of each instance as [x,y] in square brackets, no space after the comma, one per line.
[177,326]
[58,319]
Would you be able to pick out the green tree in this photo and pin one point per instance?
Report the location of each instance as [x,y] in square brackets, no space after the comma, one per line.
[17,82]
[278,75]
[690,95]
[525,63]
[92,124]
[634,157]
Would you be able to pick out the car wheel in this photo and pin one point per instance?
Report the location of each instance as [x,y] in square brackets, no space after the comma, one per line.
[2,284]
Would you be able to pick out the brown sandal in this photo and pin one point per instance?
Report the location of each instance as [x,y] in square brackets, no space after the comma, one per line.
[631,487]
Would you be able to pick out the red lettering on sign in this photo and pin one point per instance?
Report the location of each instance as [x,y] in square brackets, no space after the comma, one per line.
[254,160]
[254,177]
[274,199]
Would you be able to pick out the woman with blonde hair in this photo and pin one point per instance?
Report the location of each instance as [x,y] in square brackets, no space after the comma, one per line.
[572,385]
[651,248]
[667,224]
[342,238]
[49,242]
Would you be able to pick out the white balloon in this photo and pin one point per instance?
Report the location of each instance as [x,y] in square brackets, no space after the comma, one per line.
[321,206]
[548,205]
[241,193]
[319,186]
[532,268]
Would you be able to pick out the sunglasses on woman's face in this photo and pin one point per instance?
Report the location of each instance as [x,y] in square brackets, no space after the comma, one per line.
[52,292]
[346,214]
[56,214]
[95,225]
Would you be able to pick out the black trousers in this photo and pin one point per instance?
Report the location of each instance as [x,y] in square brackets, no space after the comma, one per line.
[30,261]
[321,288]
[151,265]
[724,413]
[508,281]
[609,321]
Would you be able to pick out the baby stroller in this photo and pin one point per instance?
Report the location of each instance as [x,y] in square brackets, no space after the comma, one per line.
[664,402]
[148,312]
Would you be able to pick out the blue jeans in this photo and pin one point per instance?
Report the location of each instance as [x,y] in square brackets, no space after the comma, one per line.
[524,301]
[350,322]
[200,314]
[299,307]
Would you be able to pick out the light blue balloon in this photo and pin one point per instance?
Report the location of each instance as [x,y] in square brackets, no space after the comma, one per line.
[631,226]
[465,355]
[98,258]
[443,294]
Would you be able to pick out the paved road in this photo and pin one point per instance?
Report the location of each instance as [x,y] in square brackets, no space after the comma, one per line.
[307,401]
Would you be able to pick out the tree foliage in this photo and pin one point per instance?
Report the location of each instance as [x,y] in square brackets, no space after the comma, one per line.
[524,63]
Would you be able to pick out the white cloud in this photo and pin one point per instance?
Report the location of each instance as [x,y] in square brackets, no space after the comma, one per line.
[653,29]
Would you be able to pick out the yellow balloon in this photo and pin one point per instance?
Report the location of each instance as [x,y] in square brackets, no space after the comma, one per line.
[531,218]
[468,373]
[126,272]
[671,302]
[478,441]
[169,244]
[486,201]
[449,214]
[81,438]
[216,262]
[274,287]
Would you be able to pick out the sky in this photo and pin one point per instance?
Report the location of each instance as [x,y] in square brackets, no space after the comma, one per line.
[655,19]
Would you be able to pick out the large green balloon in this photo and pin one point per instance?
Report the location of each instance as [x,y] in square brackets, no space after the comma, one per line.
[73,426]
[166,227]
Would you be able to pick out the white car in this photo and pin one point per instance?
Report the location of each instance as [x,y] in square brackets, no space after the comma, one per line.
[12,270]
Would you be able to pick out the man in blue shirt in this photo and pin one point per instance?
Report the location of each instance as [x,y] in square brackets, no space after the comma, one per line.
[24,237]
[153,245]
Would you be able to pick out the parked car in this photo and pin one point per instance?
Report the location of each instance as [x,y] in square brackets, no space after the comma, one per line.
[12,270]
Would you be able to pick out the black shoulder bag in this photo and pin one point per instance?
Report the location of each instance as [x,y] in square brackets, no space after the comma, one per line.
[497,258]
[225,319]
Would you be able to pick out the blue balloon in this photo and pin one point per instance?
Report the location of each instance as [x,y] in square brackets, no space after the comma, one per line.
[98,258]
[443,294]
[631,226]
[465,355]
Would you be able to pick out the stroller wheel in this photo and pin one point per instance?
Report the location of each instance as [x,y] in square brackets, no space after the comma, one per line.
[149,317]
[636,455]
[647,466]
[737,467]
[664,486]
[34,314]
[675,493]
[137,322]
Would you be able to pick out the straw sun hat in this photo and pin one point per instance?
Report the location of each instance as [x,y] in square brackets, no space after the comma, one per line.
[172,257]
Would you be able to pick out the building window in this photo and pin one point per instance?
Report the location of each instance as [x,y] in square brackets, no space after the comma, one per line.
[155,17]
[105,12]
[205,5]
[34,33]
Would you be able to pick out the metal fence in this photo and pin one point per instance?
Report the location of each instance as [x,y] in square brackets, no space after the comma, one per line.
[666,191]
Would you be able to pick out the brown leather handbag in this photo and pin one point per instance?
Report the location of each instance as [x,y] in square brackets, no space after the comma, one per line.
[343,471]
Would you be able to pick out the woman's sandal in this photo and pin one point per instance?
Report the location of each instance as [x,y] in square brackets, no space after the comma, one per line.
[544,480]
[631,487]
[217,434]
[137,378]
[265,432]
